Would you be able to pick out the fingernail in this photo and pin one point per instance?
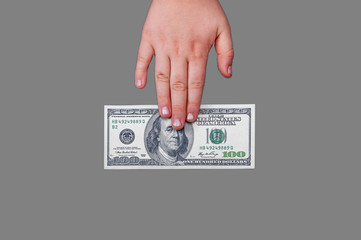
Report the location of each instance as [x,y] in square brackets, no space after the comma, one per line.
[190,116]
[230,70]
[176,123]
[165,111]
[139,83]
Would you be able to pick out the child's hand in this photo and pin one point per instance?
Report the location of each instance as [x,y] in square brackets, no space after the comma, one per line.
[180,34]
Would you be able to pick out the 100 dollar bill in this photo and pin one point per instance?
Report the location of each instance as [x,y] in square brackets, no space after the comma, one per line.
[136,137]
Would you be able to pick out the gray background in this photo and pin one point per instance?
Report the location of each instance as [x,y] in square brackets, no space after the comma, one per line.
[61,61]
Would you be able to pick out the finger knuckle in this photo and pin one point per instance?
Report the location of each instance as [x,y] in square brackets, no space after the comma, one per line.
[193,105]
[198,57]
[162,77]
[196,85]
[178,109]
[229,53]
[200,54]
[178,86]
[142,60]
[142,64]
[177,50]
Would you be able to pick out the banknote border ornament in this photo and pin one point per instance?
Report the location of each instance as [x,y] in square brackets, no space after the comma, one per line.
[113,163]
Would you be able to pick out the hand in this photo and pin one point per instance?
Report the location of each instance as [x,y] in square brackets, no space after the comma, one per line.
[180,33]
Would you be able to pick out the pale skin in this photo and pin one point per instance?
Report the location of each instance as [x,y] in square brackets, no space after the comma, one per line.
[180,34]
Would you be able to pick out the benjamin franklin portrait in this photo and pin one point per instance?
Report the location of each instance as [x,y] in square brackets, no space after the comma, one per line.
[168,146]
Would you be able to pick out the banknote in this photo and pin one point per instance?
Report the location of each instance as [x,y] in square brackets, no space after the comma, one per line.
[137,137]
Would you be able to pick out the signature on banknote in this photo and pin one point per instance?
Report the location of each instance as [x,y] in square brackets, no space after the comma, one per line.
[207,154]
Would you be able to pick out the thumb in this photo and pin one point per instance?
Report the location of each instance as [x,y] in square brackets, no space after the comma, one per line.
[225,52]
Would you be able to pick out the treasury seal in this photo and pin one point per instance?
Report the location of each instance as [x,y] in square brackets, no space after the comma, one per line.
[127,136]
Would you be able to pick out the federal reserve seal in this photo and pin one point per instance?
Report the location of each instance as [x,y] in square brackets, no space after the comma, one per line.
[127,136]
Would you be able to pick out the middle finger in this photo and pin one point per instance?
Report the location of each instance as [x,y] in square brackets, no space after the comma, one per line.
[178,85]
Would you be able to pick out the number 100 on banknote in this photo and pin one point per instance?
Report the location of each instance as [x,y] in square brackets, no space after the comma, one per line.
[137,137]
